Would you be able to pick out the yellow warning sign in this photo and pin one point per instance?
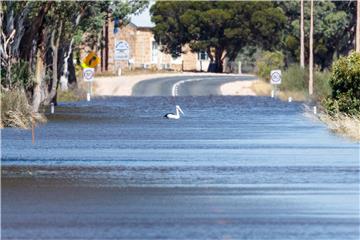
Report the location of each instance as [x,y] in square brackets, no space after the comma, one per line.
[90,61]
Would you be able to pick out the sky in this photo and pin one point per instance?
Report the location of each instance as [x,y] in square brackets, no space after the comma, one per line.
[143,20]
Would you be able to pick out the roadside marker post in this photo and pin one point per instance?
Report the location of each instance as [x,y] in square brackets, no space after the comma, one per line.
[52,108]
[88,75]
[275,79]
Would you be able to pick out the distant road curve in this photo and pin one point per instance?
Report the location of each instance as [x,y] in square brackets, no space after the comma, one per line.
[195,85]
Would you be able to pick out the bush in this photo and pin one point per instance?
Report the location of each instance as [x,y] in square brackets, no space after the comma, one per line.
[269,61]
[294,79]
[20,75]
[345,84]
[322,89]
[16,110]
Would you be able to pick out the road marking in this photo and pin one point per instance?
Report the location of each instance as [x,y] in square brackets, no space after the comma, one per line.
[175,88]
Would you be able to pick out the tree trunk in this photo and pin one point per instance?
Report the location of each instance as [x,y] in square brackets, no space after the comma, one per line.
[65,72]
[311,57]
[72,72]
[39,71]
[55,57]
[216,64]
[358,26]
[33,32]
[20,29]
[302,43]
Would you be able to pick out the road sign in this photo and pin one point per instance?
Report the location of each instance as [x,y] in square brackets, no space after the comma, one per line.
[88,74]
[91,60]
[275,77]
[122,51]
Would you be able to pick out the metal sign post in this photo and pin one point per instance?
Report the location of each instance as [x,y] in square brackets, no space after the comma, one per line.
[88,74]
[275,79]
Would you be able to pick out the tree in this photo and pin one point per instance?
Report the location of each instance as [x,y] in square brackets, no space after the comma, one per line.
[358,26]
[311,47]
[333,30]
[43,34]
[221,29]
[302,36]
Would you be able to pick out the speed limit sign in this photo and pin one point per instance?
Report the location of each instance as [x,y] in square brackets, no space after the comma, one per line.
[88,74]
[275,77]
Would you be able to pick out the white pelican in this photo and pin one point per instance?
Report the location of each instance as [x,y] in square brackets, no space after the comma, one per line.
[174,116]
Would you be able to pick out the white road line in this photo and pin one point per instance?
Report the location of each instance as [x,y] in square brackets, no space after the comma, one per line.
[175,88]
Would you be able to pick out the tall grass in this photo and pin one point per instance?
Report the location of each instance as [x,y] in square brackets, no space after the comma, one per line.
[295,79]
[16,111]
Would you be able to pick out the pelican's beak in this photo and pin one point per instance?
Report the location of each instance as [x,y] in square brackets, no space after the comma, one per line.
[181,111]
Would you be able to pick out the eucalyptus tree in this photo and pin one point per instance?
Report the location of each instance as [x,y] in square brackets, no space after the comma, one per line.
[44,34]
[221,29]
[358,26]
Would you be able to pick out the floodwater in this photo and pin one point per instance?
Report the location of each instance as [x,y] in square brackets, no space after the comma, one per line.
[231,168]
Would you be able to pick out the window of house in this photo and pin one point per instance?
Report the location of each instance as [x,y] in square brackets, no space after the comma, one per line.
[202,55]
[154,52]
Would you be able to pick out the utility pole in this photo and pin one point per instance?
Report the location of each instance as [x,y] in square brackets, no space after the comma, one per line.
[358,26]
[311,54]
[302,45]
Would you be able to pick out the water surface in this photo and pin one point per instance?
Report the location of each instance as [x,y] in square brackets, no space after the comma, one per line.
[231,168]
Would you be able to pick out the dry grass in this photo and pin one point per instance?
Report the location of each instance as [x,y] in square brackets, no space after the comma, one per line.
[342,124]
[16,111]
[262,88]
[72,95]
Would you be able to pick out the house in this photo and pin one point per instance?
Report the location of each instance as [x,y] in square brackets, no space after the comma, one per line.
[133,46]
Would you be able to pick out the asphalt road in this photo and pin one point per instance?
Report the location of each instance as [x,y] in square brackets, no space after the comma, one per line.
[202,85]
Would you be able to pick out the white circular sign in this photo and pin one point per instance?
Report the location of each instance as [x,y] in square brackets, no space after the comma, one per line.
[275,77]
[88,74]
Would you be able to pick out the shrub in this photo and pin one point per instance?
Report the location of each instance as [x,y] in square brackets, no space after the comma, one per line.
[294,79]
[269,61]
[345,84]
[322,88]
[20,75]
[16,110]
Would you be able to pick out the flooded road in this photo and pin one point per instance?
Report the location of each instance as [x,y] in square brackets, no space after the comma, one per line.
[231,168]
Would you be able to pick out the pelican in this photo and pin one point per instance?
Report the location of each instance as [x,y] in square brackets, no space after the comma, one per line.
[174,116]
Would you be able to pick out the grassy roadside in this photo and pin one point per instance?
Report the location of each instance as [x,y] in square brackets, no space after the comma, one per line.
[294,84]
[16,111]
[343,124]
[262,88]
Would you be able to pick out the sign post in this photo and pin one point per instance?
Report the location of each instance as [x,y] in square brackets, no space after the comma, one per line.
[88,75]
[275,79]
[122,53]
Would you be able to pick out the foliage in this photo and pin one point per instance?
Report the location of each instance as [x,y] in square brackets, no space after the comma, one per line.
[15,109]
[20,76]
[37,37]
[322,88]
[269,61]
[333,29]
[294,78]
[345,84]
[221,29]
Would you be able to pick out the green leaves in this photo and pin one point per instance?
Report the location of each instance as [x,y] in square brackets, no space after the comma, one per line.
[225,26]
[345,82]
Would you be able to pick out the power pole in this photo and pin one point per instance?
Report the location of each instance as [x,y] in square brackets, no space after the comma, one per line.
[302,45]
[358,26]
[311,54]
